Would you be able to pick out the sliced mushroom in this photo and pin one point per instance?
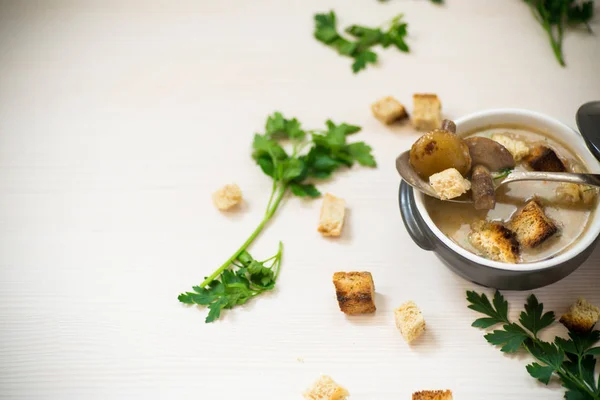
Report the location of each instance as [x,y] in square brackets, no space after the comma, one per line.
[482,188]
[448,125]
[489,153]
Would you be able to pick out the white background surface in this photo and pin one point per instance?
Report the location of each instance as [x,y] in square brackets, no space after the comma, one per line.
[118,119]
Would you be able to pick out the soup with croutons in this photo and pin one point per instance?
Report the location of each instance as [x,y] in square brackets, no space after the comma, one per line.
[520,222]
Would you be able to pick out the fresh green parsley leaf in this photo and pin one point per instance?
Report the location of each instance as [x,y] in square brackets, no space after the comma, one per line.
[542,373]
[533,318]
[364,39]
[510,338]
[498,313]
[503,173]
[279,127]
[361,152]
[304,190]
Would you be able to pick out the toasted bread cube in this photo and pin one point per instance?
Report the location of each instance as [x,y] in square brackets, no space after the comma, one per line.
[449,184]
[495,241]
[227,197]
[581,317]
[326,388]
[531,225]
[409,321]
[542,158]
[388,110]
[427,112]
[588,193]
[517,148]
[331,220]
[355,292]
[432,395]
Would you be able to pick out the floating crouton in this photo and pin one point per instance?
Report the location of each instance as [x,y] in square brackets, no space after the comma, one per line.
[495,241]
[326,388]
[331,220]
[427,112]
[410,321]
[588,193]
[542,158]
[227,197]
[531,225]
[388,110]
[569,193]
[449,184]
[517,148]
[355,292]
[581,317]
[432,395]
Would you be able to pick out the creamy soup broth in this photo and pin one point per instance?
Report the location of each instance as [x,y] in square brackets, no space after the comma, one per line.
[455,219]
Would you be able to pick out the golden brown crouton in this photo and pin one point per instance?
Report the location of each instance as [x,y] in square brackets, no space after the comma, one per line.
[495,241]
[326,388]
[542,158]
[449,183]
[531,225]
[432,395]
[227,197]
[427,112]
[388,110]
[331,220]
[355,292]
[410,321]
[581,317]
[517,148]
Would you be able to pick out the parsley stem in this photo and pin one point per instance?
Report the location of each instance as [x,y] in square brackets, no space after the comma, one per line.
[268,215]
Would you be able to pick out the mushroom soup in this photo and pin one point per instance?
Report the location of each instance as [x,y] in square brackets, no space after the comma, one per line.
[568,207]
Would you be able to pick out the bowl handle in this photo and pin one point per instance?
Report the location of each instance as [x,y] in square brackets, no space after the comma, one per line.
[412,219]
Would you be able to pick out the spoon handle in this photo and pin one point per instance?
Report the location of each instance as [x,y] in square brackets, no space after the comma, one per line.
[584,179]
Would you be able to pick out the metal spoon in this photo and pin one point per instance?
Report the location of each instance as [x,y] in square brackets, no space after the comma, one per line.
[588,122]
[413,179]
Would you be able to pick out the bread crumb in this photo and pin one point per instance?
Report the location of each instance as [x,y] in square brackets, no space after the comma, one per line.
[388,110]
[355,292]
[433,395]
[531,225]
[449,184]
[517,148]
[410,321]
[581,317]
[326,388]
[427,112]
[331,220]
[227,197]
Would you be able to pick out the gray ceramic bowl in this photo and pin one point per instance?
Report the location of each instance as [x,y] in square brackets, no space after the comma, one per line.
[492,273]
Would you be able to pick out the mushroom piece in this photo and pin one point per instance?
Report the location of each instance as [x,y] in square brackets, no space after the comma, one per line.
[449,125]
[489,153]
[482,188]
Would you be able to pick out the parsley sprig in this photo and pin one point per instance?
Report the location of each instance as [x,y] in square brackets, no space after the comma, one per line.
[315,154]
[571,360]
[555,15]
[363,39]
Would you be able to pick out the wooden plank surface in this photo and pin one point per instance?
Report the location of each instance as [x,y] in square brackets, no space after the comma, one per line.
[118,119]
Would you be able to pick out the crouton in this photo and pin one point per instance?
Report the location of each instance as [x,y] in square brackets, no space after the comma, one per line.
[227,197]
[581,317]
[410,321]
[427,112]
[495,241]
[355,292]
[331,220]
[388,110]
[517,148]
[588,193]
[531,225]
[432,395]
[542,158]
[326,388]
[449,184]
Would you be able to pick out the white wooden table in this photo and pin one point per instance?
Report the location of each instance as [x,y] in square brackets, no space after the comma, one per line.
[118,119]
